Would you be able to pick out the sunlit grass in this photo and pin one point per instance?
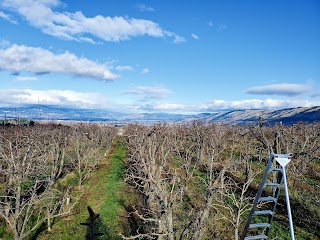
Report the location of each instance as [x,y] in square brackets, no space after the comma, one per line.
[105,194]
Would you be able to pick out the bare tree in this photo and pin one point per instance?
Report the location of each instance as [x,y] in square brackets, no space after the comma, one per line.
[149,170]
[23,155]
[32,159]
[86,147]
[197,176]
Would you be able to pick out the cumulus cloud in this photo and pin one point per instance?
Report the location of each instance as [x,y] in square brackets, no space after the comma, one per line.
[76,26]
[147,93]
[7,17]
[222,105]
[19,58]
[152,101]
[285,89]
[4,43]
[12,97]
[144,8]
[194,36]
[215,105]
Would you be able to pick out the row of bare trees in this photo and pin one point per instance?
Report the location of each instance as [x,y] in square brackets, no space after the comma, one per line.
[198,180]
[33,160]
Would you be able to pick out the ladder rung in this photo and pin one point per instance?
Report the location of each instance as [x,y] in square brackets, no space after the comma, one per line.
[275,170]
[256,237]
[263,212]
[258,225]
[266,199]
[272,184]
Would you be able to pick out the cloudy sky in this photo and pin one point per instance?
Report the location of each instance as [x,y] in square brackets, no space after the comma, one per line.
[160,56]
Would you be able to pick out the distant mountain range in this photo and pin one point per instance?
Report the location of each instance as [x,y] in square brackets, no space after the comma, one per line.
[287,116]
[51,113]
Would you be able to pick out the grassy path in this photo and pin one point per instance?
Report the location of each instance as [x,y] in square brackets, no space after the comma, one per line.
[107,194]
[112,204]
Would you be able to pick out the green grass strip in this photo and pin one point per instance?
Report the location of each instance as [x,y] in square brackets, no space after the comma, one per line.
[112,206]
[105,194]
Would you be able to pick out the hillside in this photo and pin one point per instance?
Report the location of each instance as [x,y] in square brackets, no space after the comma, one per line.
[289,115]
[52,113]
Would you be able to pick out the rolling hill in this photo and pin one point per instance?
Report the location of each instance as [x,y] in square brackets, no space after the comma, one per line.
[53,113]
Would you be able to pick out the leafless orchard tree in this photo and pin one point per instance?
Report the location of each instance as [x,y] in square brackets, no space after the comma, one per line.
[56,158]
[164,160]
[235,201]
[149,170]
[85,149]
[23,156]
[199,178]
[32,159]
[302,140]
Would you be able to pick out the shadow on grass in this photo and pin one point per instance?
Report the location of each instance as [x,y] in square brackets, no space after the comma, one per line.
[96,229]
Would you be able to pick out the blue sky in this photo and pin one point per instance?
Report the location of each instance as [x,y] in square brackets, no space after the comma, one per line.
[160,56]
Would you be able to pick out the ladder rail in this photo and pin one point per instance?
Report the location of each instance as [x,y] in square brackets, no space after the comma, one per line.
[288,202]
[255,202]
[283,160]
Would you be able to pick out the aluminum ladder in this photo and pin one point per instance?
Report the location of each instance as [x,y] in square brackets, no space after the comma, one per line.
[263,209]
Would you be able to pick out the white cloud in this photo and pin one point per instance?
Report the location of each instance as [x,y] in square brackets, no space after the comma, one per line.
[12,97]
[144,8]
[26,78]
[4,43]
[178,39]
[74,26]
[68,98]
[7,17]
[147,93]
[145,70]
[166,107]
[194,36]
[222,105]
[124,68]
[215,105]
[284,89]
[88,40]
[19,58]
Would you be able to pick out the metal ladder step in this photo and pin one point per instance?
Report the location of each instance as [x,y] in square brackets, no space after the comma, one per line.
[275,170]
[266,199]
[263,212]
[256,237]
[272,184]
[258,225]
[276,167]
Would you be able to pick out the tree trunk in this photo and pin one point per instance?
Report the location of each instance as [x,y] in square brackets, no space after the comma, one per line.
[48,220]
[236,237]
[170,224]
[17,212]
